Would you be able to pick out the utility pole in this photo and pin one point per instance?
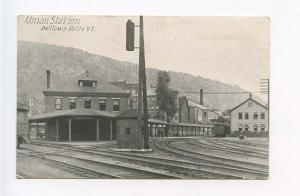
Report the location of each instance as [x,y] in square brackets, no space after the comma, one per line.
[265,89]
[144,85]
[142,95]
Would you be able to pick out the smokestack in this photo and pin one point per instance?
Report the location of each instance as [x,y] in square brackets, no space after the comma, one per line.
[48,78]
[201,96]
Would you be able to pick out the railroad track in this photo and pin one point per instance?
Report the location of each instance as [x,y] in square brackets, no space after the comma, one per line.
[181,169]
[185,169]
[221,147]
[237,146]
[74,169]
[105,169]
[258,170]
[254,144]
[219,172]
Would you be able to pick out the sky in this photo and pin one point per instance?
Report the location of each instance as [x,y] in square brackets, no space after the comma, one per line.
[234,50]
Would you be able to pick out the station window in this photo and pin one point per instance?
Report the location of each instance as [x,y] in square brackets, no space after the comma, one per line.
[72,103]
[102,104]
[246,115]
[246,127]
[262,115]
[240,115]
[116,105]
[240,127]
[255,116]
[204,114]
[128,102]
[127,131]
[87,103]
[58,103]
[176,118]
[255,127]
[262,127]
[133,92]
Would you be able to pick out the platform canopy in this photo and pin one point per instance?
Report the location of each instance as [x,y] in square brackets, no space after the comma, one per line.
[157,121]
[208,125]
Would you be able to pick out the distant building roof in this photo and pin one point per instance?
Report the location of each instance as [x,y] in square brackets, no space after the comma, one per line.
[74,112]
[131,113]
[196,105]
[124,85]
[194,125]
[250,98]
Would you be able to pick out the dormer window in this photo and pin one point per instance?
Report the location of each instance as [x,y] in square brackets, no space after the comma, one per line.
[87,83]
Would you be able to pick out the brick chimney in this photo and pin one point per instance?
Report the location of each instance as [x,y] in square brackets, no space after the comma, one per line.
[201,96]
[250,95]
[48,78]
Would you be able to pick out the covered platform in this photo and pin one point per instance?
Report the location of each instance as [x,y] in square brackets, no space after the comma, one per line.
[159,128]
[77,125]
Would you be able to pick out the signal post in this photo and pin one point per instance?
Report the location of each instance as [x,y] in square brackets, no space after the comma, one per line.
[142,96]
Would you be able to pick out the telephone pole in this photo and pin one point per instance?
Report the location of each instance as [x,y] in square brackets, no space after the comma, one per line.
[265,89]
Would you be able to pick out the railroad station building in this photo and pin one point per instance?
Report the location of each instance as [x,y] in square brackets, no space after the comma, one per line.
[82,109]
[250,117]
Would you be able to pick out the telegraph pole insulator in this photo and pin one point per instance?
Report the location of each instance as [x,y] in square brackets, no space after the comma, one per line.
[129,36]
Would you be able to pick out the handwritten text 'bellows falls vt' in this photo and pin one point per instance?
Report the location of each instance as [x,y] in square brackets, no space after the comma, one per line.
[56,23]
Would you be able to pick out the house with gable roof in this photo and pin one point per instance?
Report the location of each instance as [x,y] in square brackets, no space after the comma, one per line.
[249,116]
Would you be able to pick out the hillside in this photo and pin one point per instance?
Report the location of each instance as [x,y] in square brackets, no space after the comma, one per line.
[65,63]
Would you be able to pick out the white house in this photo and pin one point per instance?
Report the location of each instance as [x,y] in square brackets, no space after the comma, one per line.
[249,116]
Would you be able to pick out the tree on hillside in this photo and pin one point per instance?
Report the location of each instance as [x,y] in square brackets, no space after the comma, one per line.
[166,97]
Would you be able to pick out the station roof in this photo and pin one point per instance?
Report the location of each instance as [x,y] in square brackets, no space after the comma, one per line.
[100,88]
[72,86]
[196,105]
[74,112]
[86,76]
